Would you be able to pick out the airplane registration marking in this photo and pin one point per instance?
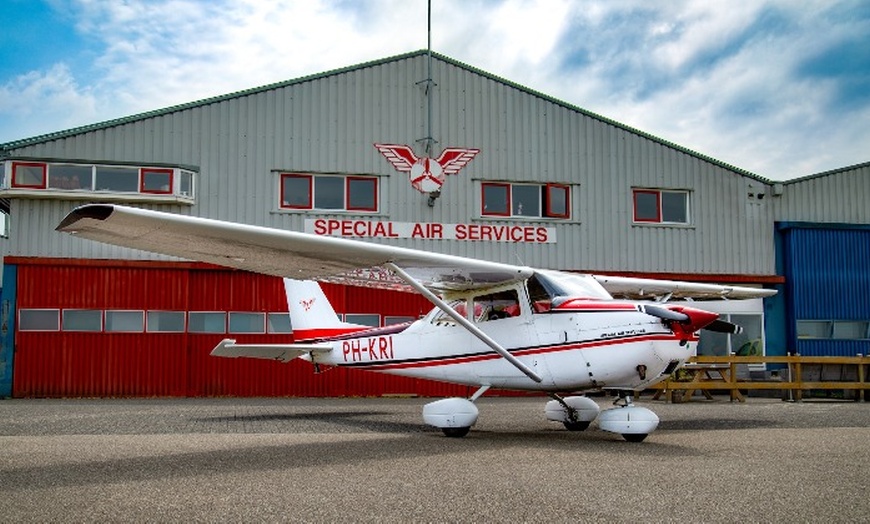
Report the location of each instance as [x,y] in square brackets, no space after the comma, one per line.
[374,348]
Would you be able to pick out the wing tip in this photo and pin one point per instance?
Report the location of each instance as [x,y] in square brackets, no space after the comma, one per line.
[92,211]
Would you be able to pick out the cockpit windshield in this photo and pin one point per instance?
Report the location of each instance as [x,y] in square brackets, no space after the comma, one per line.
[550,285]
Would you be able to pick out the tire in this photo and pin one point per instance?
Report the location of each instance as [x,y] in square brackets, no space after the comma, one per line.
[634,437]
[455,432]
[576,426]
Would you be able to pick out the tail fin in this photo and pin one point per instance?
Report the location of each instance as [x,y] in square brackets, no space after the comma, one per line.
[311,314]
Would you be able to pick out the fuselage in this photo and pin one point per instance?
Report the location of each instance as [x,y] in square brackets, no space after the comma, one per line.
[579,344]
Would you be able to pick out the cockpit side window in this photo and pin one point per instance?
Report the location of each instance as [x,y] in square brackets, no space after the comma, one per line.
[441,318]
[495,306]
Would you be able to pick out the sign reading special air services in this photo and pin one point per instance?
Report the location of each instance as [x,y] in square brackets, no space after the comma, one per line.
[431,231]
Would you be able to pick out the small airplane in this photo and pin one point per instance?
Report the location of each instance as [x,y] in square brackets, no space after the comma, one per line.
[492,325]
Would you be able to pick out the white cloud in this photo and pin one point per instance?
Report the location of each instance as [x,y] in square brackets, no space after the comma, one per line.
[45,101]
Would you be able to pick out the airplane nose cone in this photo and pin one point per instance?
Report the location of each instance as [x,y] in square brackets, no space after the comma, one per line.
[698,318]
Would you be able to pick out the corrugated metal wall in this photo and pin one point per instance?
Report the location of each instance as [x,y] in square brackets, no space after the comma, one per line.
[828,279]
[328,124]
[840,197]
[97,364]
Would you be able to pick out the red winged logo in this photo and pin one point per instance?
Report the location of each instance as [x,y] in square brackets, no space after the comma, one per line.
[427,175]
[306,304]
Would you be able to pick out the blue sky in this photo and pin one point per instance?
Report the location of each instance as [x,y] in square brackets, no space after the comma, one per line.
[780,88]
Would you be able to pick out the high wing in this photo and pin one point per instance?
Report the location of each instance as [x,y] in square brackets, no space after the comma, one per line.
[663,290]
[291,254]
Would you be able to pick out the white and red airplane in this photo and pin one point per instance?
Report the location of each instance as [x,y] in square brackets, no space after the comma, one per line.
[493,324]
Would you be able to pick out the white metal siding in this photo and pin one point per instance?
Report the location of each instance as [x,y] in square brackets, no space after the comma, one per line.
[329,123]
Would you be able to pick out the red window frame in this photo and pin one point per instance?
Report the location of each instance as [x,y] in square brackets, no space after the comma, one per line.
[41,165]
[144,170]
[483,210]
[548,211]
[658,195]
[310,180]
[347,181]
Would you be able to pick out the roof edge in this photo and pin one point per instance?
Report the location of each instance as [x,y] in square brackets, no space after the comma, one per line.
[606,120]
[106,124]
[830,172]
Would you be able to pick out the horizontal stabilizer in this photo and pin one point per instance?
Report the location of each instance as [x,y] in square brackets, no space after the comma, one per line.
[280,352]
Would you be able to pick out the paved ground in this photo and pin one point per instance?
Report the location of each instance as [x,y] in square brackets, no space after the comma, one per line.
[373,460]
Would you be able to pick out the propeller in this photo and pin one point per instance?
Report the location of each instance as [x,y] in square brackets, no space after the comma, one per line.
[691,319]
[721,326]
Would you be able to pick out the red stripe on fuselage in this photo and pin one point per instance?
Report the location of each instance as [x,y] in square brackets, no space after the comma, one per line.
[460,359]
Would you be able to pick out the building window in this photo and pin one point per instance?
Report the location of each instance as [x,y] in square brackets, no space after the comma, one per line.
[125,321]
[156,181]
[496,199]
[365,319]
[557,199]
[389,320]
[749,342]
[296,191]
[82,320]
[362,193]
[833,329]
[525,200]
[278,323]
[329,192]
[70,177]
[38,320]
[655,206]
[117,179]
[207,322]
[247,322]
[165,322]
[4,221]
[28,175]
[81,181]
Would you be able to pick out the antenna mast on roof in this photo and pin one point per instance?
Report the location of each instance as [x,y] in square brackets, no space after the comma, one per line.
[429,140]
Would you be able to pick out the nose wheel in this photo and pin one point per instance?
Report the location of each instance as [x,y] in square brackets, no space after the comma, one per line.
[634,423]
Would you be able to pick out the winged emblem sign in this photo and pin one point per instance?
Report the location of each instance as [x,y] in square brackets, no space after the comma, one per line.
[426,174]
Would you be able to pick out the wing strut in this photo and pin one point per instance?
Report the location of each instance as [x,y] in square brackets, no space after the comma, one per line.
[464,322]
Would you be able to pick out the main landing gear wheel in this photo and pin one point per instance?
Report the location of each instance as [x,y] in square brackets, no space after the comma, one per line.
[634,437]
[457,432]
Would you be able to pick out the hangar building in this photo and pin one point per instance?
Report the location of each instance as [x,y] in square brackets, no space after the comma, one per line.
[542,182]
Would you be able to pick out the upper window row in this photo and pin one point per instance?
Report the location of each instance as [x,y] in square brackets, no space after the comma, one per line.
[659,206]
[329,192]
[498,199]
[73,178]
[525,200]
[360,193]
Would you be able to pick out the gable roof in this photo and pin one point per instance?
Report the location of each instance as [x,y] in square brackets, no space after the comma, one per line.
[4,148]
[831,172]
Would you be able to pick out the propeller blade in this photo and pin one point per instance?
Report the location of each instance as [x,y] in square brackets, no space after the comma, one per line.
[663,313]
[721,326]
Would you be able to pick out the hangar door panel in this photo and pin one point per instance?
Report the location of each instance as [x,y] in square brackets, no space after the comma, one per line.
[828,284]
